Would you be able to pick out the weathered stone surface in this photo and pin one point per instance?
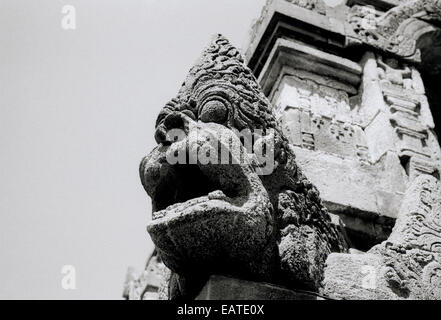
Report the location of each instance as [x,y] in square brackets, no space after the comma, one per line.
[407,265]
[226,288]
[244,218]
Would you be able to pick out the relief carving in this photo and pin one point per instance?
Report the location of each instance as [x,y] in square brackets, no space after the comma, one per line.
[314,5]
[324,119]
[363,20]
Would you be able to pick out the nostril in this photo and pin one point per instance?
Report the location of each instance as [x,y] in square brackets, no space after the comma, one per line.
[174,121]
[161,135]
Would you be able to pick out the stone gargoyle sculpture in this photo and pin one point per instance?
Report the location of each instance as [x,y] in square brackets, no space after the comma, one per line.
[227,195]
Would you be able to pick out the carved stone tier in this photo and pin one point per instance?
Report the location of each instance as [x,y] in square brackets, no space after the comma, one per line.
[396,30]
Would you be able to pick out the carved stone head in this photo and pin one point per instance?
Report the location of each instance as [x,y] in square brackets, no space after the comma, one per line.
[227,194]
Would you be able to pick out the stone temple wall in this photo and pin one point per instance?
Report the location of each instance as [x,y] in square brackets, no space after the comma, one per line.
[352,102]
[352,209]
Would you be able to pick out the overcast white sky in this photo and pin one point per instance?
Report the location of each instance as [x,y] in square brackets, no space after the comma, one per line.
[77,113]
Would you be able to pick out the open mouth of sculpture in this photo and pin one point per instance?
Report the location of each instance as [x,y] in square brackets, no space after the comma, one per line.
[205,214]
[182,186]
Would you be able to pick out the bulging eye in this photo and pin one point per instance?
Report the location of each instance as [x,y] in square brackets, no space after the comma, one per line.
[214,111]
